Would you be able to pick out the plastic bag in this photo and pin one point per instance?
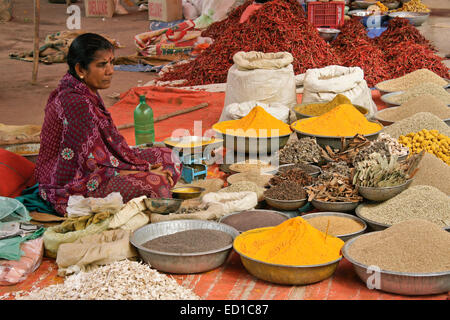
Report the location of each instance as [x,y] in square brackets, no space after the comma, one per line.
[262,77]
[325,83]
[212,11]
[236,111]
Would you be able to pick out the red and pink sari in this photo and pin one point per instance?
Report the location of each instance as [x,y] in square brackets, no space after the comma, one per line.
[82,152]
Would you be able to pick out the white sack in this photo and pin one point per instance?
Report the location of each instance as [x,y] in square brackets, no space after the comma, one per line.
[325,83]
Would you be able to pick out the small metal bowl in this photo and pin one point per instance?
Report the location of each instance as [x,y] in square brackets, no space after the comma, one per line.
[392,5]
[383,193]
[332,141]
[334,206]
[416,18]
[225,217]
[181,263]
[285,167]
[328,34]
[183,193]
[286,274]
[363,4]
[300,115]
[198,143]
[401,282]
[343,237]
[286,205]
[386,99]
[163,205]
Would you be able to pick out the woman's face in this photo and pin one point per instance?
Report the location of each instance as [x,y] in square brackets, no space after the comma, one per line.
[99,72]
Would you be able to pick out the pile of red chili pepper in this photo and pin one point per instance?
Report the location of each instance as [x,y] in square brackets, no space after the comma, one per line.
[279,25]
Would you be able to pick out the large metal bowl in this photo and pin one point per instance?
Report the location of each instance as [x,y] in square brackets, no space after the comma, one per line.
[286,274]
[383,193]
[343,237]
[300,115]
[401,282]
[328,34]
[163,205]
[332,141]
[285,205]
[253,145]
[386,91]
[386,99]
[379,117]
[181,263]
[416,18]
[334,206]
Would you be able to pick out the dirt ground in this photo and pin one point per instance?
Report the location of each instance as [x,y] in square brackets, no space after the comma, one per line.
[23,103]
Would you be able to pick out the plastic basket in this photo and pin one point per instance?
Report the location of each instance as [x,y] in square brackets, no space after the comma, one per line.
[326,14]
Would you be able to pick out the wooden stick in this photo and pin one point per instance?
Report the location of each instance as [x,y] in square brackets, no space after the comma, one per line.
[169,115]
[37,14]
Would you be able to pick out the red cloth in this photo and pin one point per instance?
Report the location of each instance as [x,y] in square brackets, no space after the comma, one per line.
[16,174]
[82,152]
[251,9]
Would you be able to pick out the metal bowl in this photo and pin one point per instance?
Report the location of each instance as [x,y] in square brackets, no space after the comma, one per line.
[392,5]
[383,193]
[379,118]
[224,218]
[199,143]
[286,274]
[183,263]
[386,91]
[285,167]
[182,193]
[286,205]
[262,183]
[300,115]
[386,99]
[401,282]
[364,4]
[328,34]
[253,145]
[332,141]
[343,237]
[334,206]
[368,19]
[416,18]
[163,205]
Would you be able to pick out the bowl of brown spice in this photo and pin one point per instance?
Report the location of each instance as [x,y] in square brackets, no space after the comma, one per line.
[286,195]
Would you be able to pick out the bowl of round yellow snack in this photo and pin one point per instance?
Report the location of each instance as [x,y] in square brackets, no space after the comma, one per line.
[257,133]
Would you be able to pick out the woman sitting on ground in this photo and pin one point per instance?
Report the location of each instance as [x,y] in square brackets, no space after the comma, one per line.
[82,151]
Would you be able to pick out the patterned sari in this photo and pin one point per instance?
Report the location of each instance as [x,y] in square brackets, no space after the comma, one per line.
[82,152]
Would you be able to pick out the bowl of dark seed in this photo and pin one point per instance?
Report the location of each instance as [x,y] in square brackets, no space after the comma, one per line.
[184,246]
[286,195]
[296,175]
[253,219]
[310,169]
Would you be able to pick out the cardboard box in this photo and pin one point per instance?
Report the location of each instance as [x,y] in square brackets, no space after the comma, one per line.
[99,8]
[165,10]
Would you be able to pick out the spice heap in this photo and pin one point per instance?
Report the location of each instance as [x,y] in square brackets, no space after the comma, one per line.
[429,140]
[411,80]
[294,242]
[377,171]
[425,88]
[415,123]
[286,190]
[333,187]
[349,149]
[433,172]
[304,150]
[121,280]
[413,6]
[339,167]
[253,219]
[418,202]
[344,120]
[395,148]
[309,169]
[251,165]
[190,241]
[378,147]
[278,26]
[337,226]
[241,186]
[413,246]
[317,109]
[294,175]
[258,123]
[252,176]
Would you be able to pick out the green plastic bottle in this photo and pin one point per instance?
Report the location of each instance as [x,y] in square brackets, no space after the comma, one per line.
[144,129]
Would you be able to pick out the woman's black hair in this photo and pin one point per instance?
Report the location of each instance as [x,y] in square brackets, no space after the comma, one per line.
[83,49]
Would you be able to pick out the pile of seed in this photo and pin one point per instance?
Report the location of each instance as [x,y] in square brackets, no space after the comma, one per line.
[413,246]
[295,175]
[424,103]
[241,186]
[411,80]
[305,150]
[336,225]
[433,172]
[255,176]
[418,202]
[415,123]
[253,219]
[252,165]
[425,88]
[121,280]
[286,190]
[190,241]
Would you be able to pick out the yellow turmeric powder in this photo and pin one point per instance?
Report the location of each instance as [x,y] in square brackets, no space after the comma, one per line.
[294,242]
[343,121]
[258,123]
[317,109]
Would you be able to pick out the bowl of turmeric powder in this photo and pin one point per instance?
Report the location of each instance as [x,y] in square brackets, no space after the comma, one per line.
[257,133]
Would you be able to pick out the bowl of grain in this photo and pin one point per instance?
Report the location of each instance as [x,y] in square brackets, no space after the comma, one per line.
[334,206]
[383,193]
[286,195]
[251,165]
[342,225]
[184,246]
[253,219]
[261,179]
